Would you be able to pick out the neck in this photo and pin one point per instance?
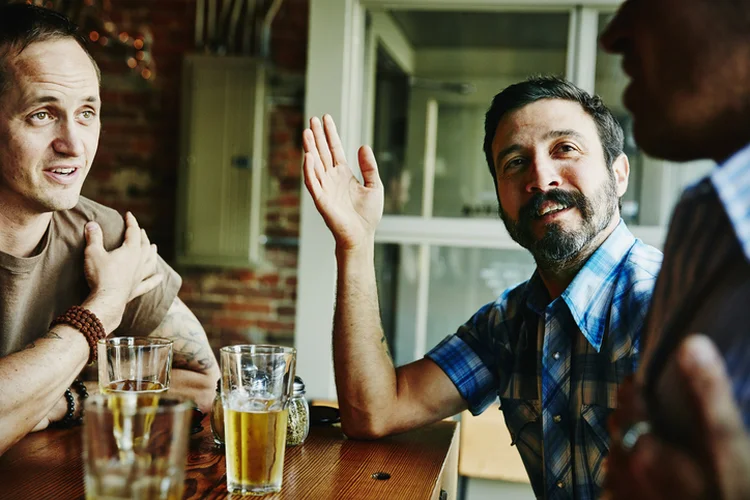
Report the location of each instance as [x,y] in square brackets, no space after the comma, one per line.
[556,279]
[21,233]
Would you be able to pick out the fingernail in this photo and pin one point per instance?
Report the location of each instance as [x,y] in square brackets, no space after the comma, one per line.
[90,226]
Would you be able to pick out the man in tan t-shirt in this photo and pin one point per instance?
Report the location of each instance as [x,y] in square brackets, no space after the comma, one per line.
[59,250]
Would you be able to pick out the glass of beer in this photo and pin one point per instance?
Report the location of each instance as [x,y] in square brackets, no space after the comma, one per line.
[256,383]
[134,364]
[155,468]
[135,371]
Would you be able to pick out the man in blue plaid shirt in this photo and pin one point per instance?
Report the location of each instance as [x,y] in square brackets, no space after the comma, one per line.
[554,349]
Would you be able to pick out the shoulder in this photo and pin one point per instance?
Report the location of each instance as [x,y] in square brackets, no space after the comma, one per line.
[111,222]
[642,263]
[637,279]
[504,308]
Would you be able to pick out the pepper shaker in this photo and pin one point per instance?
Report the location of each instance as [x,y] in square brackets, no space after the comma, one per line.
[298,419]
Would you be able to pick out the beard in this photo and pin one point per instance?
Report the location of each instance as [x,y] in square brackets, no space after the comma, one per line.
[559,247]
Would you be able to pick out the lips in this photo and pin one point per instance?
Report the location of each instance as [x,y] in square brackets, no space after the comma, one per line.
[64,175]
[550,208]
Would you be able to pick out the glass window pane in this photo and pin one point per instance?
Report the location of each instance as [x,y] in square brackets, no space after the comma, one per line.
[654,185]
[461,281]
[396,270]
[461,60]
[464,279]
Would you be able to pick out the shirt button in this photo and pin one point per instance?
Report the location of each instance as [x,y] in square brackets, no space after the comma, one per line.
[560,484]
[556,356]
[557,419]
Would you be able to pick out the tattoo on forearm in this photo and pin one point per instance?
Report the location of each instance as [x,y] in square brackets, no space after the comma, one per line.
[191,351]
[48,335]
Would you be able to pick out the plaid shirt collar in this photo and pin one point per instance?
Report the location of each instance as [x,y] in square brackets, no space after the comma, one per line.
[732,183]
[587,296]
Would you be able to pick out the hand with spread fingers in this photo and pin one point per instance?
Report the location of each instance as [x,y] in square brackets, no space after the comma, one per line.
[351,210]
[642,466]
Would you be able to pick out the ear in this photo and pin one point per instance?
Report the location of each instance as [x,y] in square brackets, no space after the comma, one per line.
[621,170]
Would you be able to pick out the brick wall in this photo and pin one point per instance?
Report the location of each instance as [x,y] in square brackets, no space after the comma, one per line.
[137,164]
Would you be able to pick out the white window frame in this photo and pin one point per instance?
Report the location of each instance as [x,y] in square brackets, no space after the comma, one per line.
[337,83]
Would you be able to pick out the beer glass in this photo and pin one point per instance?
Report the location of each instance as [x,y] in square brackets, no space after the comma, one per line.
[256,383]
[134,364]
[155,468]
[135,371]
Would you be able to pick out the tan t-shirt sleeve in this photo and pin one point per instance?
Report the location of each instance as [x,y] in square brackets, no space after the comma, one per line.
[145,313]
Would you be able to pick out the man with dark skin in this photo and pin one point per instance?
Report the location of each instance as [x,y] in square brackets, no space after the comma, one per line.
[681,429]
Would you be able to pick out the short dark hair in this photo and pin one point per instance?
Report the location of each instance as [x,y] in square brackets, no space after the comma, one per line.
[22,24]
[537,88]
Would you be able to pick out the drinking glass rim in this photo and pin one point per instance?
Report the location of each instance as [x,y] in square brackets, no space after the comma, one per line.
[257,349]
[96,403]
[135,341]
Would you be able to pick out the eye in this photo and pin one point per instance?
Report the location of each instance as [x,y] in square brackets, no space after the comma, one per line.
[515,163]
[41,116]
[566,148]
[87,114]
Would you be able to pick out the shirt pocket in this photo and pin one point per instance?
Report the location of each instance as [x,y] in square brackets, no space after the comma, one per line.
[523,419]
[595,439]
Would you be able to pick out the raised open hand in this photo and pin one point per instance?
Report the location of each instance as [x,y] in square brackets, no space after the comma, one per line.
[350,209]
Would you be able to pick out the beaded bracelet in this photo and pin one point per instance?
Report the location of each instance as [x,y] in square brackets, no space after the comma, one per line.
[80,388]
[69,419]
[85,322]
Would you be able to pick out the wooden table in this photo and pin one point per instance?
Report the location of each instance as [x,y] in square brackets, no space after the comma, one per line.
[422,463]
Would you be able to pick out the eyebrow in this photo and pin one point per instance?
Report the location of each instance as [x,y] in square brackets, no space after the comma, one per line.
[552,134]
[556,134]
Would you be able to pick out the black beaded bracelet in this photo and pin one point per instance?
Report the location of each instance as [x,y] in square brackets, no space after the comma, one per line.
[69,419]
[80,388]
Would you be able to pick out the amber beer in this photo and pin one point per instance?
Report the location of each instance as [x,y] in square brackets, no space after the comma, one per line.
[256,382]
[152,470]
[131,433]
[255,444]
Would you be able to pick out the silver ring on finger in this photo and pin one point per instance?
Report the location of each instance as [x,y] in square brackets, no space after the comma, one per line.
[634,433]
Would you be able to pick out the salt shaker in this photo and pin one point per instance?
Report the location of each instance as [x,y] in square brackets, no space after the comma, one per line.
[298,419]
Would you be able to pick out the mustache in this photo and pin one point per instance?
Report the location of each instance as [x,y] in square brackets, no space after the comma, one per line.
[565,198]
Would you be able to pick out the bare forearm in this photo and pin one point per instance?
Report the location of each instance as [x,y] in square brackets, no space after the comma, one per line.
[195,370]
[34,380]
[365,375]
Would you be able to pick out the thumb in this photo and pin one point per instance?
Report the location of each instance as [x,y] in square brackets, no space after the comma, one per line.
[368,166]
[704,374]
[94,237]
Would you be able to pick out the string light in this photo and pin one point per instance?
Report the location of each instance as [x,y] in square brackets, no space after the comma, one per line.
[96,14]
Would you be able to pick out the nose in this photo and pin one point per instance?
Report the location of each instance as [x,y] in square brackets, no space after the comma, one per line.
[68,140]
[614,39]
[544,175]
